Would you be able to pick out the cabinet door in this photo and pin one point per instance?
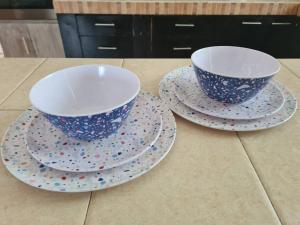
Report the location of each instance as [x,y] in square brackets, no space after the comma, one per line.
[15,40]
[283,37]
[46,39]
[243,31]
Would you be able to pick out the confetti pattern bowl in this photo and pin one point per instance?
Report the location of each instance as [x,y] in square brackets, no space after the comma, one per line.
[86,102]
[233,74]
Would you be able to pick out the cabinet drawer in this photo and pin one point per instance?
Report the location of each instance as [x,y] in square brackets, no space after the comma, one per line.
[105,25]
[177,47]
[184,25]
[106,47]
[282,37]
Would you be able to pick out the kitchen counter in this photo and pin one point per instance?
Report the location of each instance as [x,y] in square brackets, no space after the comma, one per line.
[178,7]
[209,177]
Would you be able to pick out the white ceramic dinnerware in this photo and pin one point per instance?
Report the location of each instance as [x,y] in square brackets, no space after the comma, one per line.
[167,94]
[265,103]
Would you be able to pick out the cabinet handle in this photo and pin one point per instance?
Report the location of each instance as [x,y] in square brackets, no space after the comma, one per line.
[25,45]
[182,48]
[251,23]
[104,24]
[106,48]
[281,24]
[184,25]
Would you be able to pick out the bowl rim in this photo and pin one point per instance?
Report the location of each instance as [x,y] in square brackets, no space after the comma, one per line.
[237,77]
[85,114]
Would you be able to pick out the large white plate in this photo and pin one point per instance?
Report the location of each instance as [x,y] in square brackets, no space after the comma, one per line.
[24,167]
[167,94]
[265,103]
[53,148]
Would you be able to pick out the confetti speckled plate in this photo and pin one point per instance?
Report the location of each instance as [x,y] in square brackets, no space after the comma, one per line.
[53,148]
[167,94]
[25,168]
[267,102]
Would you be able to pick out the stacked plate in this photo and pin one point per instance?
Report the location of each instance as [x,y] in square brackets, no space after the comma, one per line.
[42,155]
[185,95]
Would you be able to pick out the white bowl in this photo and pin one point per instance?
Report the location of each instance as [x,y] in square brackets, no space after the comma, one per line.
[233,74]
[95,97]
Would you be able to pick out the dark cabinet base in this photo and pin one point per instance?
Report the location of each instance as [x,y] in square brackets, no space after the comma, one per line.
[119,36]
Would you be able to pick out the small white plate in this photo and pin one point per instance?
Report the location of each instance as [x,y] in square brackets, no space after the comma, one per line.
[267,102]
[24,167]
[53,148]
[167,94]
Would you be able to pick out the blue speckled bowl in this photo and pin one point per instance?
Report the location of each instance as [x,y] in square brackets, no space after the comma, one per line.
[233,74]
[86,102]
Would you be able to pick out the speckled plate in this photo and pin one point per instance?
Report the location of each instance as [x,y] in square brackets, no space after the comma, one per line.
[24,167]
[267,102]
[53,148]
[167,94]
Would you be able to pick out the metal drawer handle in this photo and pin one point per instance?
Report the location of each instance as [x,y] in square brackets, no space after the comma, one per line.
[104,24]
[281,24]
[251,23]
[184,25]
[182,48]
[106,48]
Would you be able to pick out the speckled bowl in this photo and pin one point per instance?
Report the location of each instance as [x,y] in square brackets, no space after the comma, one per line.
[233,74]
[86,102]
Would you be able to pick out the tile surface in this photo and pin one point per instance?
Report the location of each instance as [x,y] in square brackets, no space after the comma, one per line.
[276,157]
[13,72]
[19,99]
[293,65]
[286,77]
[22,204]
[206,179]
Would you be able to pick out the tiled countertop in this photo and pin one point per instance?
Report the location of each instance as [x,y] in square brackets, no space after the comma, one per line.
[209,177]
[179,7]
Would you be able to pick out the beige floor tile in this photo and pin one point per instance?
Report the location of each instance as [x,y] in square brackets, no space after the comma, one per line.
[290,81]
[293,65]
[13,72]
[19,99]
[22,204]
[151,71]
[206,179]
[275,154]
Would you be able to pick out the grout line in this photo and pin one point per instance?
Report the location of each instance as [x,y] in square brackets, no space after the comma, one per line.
[260,180]
[290,70]
[87,210]
[12,110]
[22,81]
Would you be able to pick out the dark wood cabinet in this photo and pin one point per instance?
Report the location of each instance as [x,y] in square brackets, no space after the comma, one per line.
[128,36]
[105,25]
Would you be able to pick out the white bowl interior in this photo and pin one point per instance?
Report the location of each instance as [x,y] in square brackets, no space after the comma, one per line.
[84,90]
[235,62]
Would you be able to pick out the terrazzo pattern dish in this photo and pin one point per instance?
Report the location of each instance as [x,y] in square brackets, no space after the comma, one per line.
[53,148]
[233,74]
[167,94]
[86,102]
[88,128]
[267,102]
[24,167]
